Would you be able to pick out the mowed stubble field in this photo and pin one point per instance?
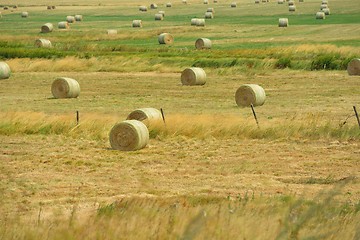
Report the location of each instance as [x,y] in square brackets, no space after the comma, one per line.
[297,174]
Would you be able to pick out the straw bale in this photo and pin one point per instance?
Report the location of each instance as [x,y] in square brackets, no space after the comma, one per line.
[193,76]
[153,6]
[353,67]
[248,94]
[320,15]
[162,12]
[146,115]
[203,43]
[209,15]
[326,11]
[63,25]
[143,8]
[47,27]
[5,71]
[112,32]
[43,43]
[78,18]
[159,17]
[292,8]
[24,14]
[233,5]
[64,87]
[168,5]
[137,23]
[165,38]
[283,22]
[200,22]
[211,10]
[70,19]
[129,135]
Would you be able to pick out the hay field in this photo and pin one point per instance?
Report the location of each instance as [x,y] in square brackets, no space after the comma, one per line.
[210,172]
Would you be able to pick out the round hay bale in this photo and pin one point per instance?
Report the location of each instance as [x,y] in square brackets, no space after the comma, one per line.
[215,1]
[143,8]
[6,7]
[168,5]
[159,17]
[5,70]
[184,1]
[209,15]
[153,6]
[136,23]
[111,32]
[78,18]
[15,7]
[203,43]
[64,87]
[291,2]
[129,135]
[44,43]
[194,21]
[47,27]
[301,0]
[326,11]
[280,1]
[165,38]
[212,10]
[233,5]
[292,8]
[162,12]
[70,19]
[200,22]
[257,1]
[48,7]
[63,25]
[146,115]
[248,94]
[193,76]
[323,6]
[324,2]
[320,15]
[206,2]
[24,14]
[283,22]
[353,67]
[53,7]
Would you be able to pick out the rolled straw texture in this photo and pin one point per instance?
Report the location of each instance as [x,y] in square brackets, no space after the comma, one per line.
[193,76]
[146,115]
[283,22]
[129,135]
[47,27]
[248,94]
[63,25]
[203,43]
[5,70]
[165,38]
[137,23]
[44,43]
[353,67]
[64,87]
[78,18]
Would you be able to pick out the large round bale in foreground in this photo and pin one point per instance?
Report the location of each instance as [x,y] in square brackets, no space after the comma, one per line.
[47,27]
[320,15]
[78,18]
[24,14]
[70,19]
[326,11]
[63,25]
[64,87]
[137,23]
[129,135]
[353,67]
[5,70]
[165,38]
[283,22]
[248,94]
[146,115]
[203,43]
[193,76]
[43,43]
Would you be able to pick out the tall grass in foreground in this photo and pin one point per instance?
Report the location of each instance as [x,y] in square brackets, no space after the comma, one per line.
[97,127]
[244,216]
